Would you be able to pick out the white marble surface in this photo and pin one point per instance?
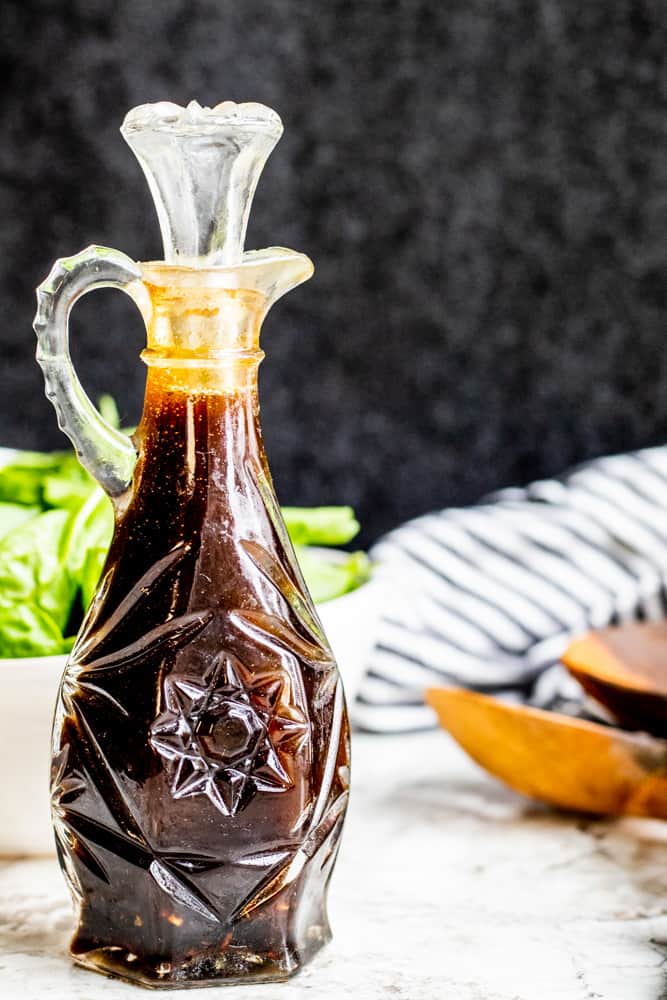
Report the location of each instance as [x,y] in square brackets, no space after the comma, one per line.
[448,887]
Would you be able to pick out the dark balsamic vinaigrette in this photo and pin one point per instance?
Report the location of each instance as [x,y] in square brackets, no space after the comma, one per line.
[201,744]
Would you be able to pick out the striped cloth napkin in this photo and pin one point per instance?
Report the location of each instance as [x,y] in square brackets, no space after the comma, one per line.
[488,597]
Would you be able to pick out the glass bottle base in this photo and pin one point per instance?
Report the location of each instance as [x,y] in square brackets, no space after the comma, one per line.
[233,967]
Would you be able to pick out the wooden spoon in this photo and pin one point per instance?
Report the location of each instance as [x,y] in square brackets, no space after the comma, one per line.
[568,762]
[625,669]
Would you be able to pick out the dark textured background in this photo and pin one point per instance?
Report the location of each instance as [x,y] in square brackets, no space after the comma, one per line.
[482,186]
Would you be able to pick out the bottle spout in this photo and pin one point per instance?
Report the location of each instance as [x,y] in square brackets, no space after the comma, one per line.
[202,166]
[275,271]
[209,312]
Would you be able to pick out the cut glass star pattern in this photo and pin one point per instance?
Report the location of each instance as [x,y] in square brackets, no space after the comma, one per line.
[224,733]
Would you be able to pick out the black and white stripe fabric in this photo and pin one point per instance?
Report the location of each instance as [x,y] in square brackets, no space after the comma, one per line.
[488,597]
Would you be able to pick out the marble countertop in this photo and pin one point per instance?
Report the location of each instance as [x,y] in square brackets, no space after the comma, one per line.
[448,887]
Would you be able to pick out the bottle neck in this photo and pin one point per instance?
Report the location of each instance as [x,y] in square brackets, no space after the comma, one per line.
[191,324]
[199,435]
[226,377]
[189,406]
[200,420]
[201,339]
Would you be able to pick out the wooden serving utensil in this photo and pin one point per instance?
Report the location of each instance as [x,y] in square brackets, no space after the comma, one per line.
[625,669]
[571,763]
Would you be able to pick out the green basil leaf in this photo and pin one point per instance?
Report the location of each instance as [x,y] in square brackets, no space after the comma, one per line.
[31,566]
[327,577]
[28,630]
[68,486]
[320,525]
[91,528]
[106,404]
[22,475]
[12,515]
[89,575]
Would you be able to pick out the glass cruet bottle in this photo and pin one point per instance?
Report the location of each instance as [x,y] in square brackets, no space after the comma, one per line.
[200,746]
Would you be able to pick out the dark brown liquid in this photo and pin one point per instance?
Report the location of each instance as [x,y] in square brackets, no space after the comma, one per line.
[201,752]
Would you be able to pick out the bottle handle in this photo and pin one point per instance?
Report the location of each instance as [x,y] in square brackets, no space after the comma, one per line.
[107,453]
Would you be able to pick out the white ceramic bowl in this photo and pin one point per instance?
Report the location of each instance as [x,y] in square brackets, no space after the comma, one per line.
[28,690]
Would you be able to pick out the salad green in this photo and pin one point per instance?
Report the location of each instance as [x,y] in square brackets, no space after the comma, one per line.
[55,529]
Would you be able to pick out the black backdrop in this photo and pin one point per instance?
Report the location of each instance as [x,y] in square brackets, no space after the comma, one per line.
[482,186]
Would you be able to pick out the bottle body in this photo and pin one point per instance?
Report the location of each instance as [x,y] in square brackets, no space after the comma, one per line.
[200,765]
